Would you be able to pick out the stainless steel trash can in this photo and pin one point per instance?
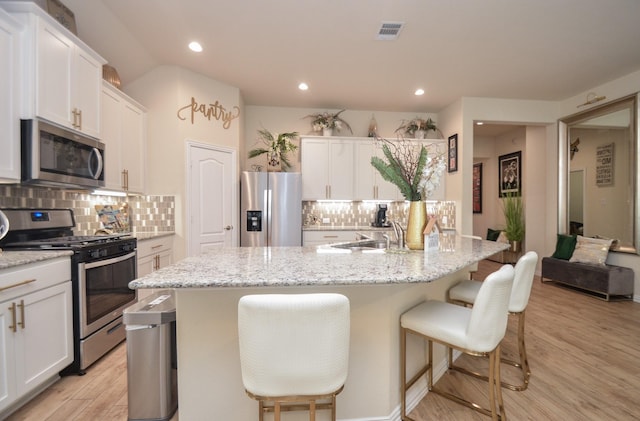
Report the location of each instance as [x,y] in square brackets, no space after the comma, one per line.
[150,326]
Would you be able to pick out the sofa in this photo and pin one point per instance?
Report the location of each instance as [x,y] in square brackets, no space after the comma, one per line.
[579,263]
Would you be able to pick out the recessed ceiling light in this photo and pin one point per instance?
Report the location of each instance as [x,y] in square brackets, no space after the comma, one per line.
[479,123]
[419,92]
[195,46]
[303,86]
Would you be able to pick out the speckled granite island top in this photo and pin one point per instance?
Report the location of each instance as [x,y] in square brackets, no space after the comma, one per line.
[238,267]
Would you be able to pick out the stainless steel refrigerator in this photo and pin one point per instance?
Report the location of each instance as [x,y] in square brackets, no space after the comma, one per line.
[270,209]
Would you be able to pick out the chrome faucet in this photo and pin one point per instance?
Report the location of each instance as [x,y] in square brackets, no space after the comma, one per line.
[399,232]
[387,239]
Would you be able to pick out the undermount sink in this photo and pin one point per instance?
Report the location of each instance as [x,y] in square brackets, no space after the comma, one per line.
[361,245]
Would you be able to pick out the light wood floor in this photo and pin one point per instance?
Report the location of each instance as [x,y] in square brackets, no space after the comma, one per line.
[584,355]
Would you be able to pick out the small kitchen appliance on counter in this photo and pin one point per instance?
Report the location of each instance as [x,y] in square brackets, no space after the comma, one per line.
[101,268]
[381,217]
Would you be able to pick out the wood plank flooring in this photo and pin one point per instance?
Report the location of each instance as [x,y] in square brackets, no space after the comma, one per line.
[584,355]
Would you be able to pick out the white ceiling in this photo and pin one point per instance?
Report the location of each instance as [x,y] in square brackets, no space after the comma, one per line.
[524,49]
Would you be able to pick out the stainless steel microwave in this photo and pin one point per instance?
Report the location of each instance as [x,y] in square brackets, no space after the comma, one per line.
[53,156]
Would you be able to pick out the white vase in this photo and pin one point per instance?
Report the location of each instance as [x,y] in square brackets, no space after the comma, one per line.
[419,134]
[327,131]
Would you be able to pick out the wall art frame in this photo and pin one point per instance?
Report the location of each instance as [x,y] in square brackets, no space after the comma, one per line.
[510,174]
[452,153]
[477,187]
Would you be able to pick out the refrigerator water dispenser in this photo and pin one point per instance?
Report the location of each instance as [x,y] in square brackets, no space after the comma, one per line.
[254,220]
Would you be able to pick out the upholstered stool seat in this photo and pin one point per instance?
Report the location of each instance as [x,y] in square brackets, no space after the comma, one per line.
[475,331]
[294,350]
[465,293]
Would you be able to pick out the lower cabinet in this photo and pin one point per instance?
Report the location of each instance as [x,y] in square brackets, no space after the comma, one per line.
[153,254]
[318,238]
[36,340]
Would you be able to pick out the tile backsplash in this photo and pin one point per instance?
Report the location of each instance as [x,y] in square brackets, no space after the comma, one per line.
[148,214]
[362,214]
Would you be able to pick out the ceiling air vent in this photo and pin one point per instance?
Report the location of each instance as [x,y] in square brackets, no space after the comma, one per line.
[389,30]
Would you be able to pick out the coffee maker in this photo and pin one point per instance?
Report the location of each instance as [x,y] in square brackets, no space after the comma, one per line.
[381,216]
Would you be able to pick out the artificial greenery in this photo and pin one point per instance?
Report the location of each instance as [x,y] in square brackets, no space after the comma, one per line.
[513,216]
[410,127]
[404,167]
[278,145]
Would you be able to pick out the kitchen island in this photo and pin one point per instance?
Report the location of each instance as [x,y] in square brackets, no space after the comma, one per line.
[380,285]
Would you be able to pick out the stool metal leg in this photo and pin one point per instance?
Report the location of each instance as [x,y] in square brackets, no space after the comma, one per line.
[523,365]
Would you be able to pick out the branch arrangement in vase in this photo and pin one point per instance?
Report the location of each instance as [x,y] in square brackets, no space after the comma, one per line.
[414,171]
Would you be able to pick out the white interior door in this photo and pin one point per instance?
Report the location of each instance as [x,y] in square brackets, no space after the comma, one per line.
[212,198]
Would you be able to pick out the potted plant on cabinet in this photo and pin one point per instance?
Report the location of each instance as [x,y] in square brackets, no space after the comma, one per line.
[513,209]
[277,147]
[327,122]
[417,127]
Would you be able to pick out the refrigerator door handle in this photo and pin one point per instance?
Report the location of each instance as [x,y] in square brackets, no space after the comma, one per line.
[268,198]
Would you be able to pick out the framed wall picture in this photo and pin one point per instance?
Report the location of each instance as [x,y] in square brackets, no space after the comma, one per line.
[477,187]
[452,162]
[510,174]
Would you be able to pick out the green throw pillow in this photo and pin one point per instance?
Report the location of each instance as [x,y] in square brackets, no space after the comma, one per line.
[492,235]
[565,245]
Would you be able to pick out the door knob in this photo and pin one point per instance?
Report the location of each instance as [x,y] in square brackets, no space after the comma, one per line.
[228,228]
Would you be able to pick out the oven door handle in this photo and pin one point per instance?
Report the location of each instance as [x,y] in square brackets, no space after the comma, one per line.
[109,261]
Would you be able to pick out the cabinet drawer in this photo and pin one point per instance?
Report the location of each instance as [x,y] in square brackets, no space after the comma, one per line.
[312,238]
[154,246]
[33,277]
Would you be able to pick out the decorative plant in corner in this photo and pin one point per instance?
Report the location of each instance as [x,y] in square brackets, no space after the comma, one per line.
[277,147]
[513,209]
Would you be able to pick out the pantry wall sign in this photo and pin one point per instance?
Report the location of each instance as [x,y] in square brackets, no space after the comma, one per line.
[211,111]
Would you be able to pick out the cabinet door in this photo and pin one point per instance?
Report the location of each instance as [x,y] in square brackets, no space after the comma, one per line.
[10,92]
[86,83]
[55,57]
[365,186]
[315,169]
[44,344]
[133,134]
[7,356]
[111,129]
[341,160]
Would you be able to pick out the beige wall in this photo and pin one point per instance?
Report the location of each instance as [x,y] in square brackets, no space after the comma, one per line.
[164,91]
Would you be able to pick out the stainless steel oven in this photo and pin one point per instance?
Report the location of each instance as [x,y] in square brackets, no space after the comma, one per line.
[101,269]
[53,156]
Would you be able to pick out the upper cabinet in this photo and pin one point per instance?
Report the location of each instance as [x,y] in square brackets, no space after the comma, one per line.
[62,74]
[327,168]
[10,95]
[336,168]
[124,125]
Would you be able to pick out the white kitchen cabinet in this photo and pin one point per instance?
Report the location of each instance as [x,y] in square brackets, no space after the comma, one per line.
[317,238]
[327,168]
[369,184]
[153,254]
[36,339]
[10,96]
[124,130]
[63,75]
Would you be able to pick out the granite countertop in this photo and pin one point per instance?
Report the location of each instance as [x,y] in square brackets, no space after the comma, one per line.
[238,267]
[9,259]
[141,236]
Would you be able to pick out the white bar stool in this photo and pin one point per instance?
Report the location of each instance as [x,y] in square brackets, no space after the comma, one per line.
[465,293]
[475,331]
[294,350]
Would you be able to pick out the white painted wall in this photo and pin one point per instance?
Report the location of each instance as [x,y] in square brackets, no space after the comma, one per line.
[164,91]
